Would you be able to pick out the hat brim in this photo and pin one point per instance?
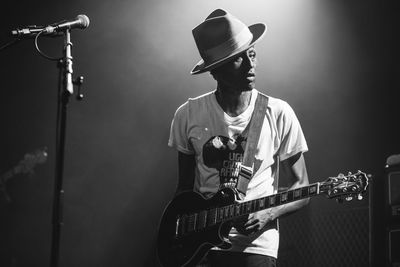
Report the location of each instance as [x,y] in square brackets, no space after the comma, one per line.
[258,30]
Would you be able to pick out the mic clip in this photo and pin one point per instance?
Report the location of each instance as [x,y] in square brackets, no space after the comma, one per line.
[34,30]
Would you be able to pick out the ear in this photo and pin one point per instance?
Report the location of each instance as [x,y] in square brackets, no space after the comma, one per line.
[213,73]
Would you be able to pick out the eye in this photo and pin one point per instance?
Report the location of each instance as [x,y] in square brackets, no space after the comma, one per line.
[252,53]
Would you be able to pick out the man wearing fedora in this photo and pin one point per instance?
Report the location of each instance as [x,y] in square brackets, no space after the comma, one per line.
[211,131]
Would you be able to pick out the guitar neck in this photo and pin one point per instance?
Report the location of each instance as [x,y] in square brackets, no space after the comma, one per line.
[205,218]
[244,208]
[334,187]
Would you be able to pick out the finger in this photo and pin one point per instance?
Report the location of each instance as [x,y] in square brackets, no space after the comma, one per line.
[251,222]
[253,228]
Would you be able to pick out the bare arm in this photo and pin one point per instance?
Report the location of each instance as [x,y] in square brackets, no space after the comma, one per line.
[294,169]
[186,172]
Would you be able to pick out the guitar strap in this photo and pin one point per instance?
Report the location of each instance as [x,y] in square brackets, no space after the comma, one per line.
[255,125]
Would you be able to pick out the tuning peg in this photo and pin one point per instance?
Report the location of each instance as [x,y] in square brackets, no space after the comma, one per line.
[359,196]
[349,198]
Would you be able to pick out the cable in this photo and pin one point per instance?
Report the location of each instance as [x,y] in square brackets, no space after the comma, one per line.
[40,51]
[9,44]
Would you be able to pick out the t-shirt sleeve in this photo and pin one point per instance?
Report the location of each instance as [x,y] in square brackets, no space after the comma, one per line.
[291,134]
[178,137]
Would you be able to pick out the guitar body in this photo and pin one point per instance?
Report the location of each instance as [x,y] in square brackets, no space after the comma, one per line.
[189,249]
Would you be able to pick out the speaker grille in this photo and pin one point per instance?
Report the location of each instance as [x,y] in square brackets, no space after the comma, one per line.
[394,188]
[394,246]
[325,238]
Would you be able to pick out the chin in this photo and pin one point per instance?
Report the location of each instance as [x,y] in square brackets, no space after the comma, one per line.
[251,86]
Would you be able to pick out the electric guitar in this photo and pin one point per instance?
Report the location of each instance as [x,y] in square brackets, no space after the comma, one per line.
[191,224]
[25,165]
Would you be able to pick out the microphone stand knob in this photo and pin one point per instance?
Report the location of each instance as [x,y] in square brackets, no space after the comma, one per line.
[79,82]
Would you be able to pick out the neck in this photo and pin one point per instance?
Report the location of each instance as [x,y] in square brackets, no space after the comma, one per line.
[232,102]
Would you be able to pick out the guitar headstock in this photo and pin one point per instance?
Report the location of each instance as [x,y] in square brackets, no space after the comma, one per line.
[345,187]
[30,160]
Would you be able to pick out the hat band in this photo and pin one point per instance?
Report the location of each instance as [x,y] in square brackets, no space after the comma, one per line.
[228,47]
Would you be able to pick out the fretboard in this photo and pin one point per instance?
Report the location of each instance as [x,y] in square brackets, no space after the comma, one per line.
[244,208]
[213,216]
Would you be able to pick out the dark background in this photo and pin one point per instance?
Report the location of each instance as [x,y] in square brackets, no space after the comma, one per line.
[335,62]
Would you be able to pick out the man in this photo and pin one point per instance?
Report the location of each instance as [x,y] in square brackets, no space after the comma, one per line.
[210,133]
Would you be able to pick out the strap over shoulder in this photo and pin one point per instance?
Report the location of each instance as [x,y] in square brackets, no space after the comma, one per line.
[256,122]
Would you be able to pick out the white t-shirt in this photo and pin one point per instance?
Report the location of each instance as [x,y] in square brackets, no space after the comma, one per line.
[201,128]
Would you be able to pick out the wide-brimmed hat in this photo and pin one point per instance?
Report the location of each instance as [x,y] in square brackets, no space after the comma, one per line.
[221,36]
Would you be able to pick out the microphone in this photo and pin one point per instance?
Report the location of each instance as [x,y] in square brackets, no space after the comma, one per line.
[80,22]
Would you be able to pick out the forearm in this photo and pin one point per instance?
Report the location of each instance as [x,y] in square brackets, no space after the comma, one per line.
[286,209]
[296,171]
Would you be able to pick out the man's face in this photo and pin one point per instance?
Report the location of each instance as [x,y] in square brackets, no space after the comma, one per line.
[239,73]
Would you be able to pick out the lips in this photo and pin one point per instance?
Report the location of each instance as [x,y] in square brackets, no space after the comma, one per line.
[250,76]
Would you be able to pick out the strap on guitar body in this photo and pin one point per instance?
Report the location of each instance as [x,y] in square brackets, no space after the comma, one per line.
[256,122]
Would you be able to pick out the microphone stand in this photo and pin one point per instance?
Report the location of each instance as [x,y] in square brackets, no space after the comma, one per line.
[65,90]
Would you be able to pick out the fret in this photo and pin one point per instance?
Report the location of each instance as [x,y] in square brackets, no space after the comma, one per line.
[231,211]
[278,200]
[313,189]
[237,210]
[253,205]
[243,210]
[256,205]
[202,220]
[248,207]
[304,192]
[220,215]
[297,193]
[212,217]
[290,195]
[284,197]
[266,202]
[261,204]
[225,213]
[271,200]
